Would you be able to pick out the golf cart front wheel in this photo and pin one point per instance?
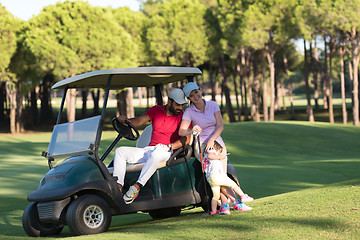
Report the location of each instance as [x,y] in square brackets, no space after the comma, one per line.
[88,214]
[34,228]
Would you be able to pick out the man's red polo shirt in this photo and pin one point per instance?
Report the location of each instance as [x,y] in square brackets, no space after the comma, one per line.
[165,129]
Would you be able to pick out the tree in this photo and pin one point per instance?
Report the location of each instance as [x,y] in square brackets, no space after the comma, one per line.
[175,33]
[134,23]
[342,82]
[73,37]
[230,18]
[269,25]
[330,28]
[214,35]
[8,40]
[307,85]
[287,60]
[218,51]
[349,24]
[307,23]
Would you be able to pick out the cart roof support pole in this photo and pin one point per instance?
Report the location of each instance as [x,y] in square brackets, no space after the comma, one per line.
[61,106]
[158,95]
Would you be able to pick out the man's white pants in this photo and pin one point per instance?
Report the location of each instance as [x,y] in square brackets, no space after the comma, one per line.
[151,156]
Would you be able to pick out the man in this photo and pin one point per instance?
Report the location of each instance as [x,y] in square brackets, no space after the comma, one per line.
[166,121]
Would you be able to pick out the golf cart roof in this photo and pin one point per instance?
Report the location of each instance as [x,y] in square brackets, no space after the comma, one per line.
[128,77]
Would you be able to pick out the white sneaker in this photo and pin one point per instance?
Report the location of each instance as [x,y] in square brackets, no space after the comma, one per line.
[246,198]
[131,195]
[240,206]
[224,209]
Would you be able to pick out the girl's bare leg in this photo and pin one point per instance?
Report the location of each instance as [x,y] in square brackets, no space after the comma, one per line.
[228,194]
[214,205]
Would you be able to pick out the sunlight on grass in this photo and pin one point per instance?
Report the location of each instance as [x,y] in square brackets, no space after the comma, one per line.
[299,184]
[334,161]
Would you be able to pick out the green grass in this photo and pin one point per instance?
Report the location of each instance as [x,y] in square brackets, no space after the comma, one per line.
[305,179]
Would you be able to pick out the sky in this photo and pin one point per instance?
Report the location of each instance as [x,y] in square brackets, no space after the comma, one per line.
[26,9]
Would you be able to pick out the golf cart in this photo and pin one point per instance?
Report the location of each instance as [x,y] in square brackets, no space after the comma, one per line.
[80,190]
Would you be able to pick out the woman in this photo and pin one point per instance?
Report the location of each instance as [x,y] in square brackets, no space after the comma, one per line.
[205,117]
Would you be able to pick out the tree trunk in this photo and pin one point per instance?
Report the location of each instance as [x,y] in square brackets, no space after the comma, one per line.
[342,80]
[307,86]
[71,104]
[45,110]
[286,70]
[11,93]
[315,70]
[255,106]
[96,96]
[330,89]
[2,99]
[351,80]
[124,103]
[120,105]
[148,97]
[324,87]
[19,100]
[140,95]
[252,92]
[251,96]
[145,92]
[235,73]
[221,92]
[33,106]
[129,100]
[265,97]
[355,47]
[270,58]
[245,73]
[282,92]
[84,95]
[212,84]
[326,77]
[226,89]
[277,91]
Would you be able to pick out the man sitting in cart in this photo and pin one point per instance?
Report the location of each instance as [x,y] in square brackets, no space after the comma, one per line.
[166,121]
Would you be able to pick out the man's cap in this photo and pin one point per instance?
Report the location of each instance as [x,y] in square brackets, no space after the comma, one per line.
[189,87]
[177,95]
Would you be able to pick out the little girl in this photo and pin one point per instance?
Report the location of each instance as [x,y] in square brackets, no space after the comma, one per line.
[217,177]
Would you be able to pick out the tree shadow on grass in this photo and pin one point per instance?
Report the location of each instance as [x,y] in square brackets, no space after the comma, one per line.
[233,226]
[11,210]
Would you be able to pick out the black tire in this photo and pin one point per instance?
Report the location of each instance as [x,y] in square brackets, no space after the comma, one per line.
[34,228]
[165,213]
[88,214]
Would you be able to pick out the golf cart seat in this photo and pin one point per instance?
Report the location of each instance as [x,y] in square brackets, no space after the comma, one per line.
[144,141]
[145,137]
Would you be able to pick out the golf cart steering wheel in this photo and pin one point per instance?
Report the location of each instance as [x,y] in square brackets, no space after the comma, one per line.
[125,131]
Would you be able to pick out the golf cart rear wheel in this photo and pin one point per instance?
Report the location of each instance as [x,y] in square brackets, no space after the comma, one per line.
[88,214]
[34,228]
[165,213]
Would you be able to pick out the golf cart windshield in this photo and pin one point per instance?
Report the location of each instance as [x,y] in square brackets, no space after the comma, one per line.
[73,138]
